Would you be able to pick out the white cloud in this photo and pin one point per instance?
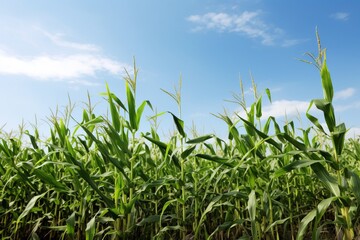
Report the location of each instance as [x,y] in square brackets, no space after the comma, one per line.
[248,23]
[345,94]
[46,67]
[353,132]
[62,59]
[285,107]
[348,106]
[58,40]
[292,42]
[282,108]
[341,16]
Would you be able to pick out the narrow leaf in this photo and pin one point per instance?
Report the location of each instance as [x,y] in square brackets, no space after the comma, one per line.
[259,107]
[29,206]
[295,165]
[317,212]
[326,81]
[113,110]
[70,225]
[90,229]
[140,110]
[215,158]
[328,180]
[268,93]
[187,152]
[131,107]
[179,125]
[200,139]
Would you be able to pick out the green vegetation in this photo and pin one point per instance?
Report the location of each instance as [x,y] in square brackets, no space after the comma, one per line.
[106,180]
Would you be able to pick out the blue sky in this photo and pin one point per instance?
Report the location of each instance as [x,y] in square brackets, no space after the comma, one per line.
[52,49]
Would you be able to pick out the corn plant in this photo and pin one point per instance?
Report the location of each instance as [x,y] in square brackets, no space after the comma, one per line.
[100,177]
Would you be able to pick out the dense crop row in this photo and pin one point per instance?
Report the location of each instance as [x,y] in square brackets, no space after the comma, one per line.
[106,180]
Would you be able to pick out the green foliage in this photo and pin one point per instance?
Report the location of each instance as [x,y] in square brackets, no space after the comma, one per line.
[106,180]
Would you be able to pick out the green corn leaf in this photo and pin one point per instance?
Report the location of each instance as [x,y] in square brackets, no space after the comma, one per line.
[252,213]
[140,110]
[207,210]
[294,142]
[32,139]
[5,148]
[60,129]
[131,107]
[200,139]
[69,146]
[150,219]
[29,206]
[70,226]
[268,93]
[156,116]
[170,228]
[104,151]
[354,183]
[327,108]
[313,119]
[210,148]
[338,136]
[165,149]
[187,152]
[248,140]
[259,107]
[160,144]
[90,229]
[277,222]
[34,236]
[250,118]
[252,206]
[114,113]
[295,165]
[179,125]
[225,226]
[326,81]
[215,158]
[118,101]
[85,116]
[262,135]
[267,126]
[115,98]
[318,212]
[57,228]
[165,207]
[328,180]
[50,179]
[233,132]
[277,129]
[94,121]
[86,176]
[243,144]
[117,138]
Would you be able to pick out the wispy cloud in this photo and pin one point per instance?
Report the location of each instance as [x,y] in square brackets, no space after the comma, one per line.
[292,42]
[341,16]
[345,94]
[248,23]
[353,132]
[285,107]
[73,65]
[282,108]
[58,67]
[348,106]
[59,41]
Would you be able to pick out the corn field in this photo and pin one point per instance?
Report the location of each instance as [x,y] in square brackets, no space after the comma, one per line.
[104,179]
